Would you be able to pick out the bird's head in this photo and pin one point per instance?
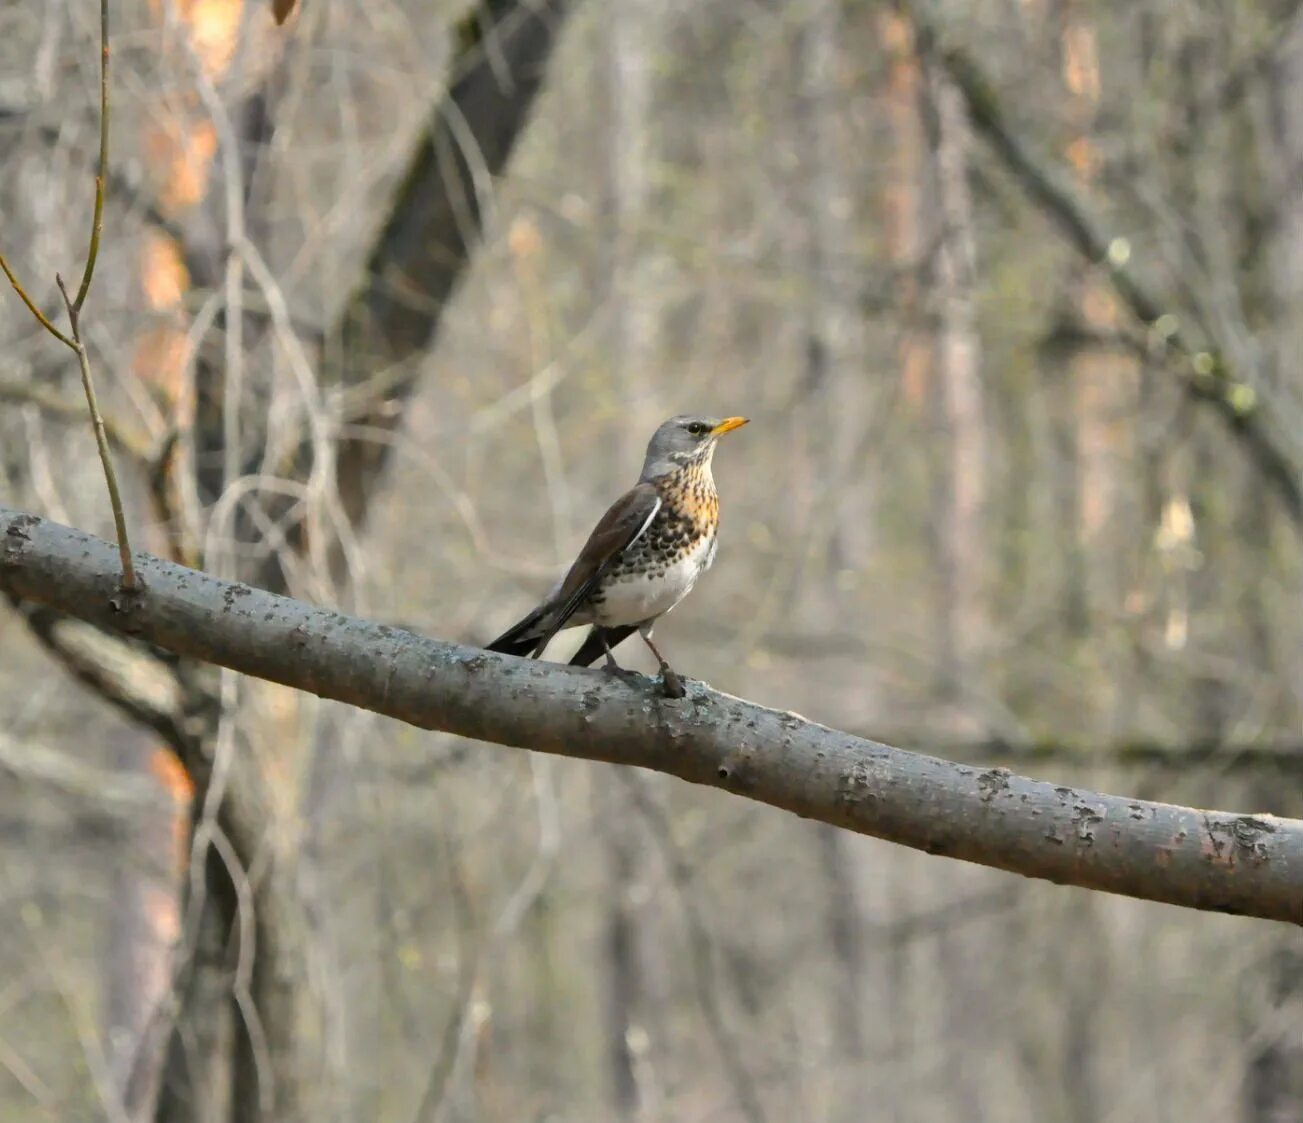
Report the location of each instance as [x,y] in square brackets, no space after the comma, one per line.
[685,440]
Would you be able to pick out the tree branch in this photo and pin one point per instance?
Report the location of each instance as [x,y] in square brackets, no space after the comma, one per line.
[1240,399]
[32,762]
[129,678]
[1260,758]
[1250,865]
[92,403]
[436,219]
[60,408]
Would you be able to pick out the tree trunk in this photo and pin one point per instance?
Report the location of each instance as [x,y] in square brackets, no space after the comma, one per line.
[844,925]
[143,928]
[962,624]
[836,374]
[1273,1083]
[247,1004]
[634,310]
[623,976]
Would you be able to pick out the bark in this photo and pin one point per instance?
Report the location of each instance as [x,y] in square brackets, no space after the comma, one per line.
[143,928]
[196,1080]
[1213,860]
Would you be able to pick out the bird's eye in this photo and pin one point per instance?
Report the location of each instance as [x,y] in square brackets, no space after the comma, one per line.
[696,428]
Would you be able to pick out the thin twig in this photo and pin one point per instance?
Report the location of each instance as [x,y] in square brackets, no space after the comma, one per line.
[97,221]
[74,341]
[75,306]
[41,317]
[101,440]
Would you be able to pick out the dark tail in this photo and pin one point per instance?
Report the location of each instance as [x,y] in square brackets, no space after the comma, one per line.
[522,638]
[592,647]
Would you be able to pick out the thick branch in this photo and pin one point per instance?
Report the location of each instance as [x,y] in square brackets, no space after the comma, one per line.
[1180,855]
[1259,758]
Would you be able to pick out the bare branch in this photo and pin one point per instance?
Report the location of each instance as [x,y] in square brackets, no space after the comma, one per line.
[61,408]
[101,440]
[1249,865]
[1216,756]
[41,317]
[97,219]
[436,219]
[129,678]
[74,306]
[1242,400]
[35,763]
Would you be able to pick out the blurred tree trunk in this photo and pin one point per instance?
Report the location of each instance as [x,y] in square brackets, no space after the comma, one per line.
[1274,1075]
[180,142]
[247,1023]
[903,198]
[246,1038]
[836,374]
[621,964]
[961,610]
[844,926]
[143,927]
[629,31]
[841,399]
[631,52]
[1103,382]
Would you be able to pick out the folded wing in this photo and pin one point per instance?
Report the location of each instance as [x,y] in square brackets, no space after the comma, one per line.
[623,524]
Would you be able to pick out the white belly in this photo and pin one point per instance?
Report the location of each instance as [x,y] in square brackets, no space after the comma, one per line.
[632,598]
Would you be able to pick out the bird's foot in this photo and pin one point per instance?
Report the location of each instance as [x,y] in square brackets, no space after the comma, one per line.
[671,683]
[611,667]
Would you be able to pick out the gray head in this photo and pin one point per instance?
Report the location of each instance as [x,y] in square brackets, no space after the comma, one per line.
[687,439]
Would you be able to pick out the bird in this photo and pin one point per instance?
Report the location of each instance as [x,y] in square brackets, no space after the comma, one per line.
[642,558]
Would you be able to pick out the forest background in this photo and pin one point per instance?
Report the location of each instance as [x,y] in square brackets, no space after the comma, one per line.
[389,300]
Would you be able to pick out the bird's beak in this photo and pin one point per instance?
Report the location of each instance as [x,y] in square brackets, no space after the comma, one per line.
[728,425]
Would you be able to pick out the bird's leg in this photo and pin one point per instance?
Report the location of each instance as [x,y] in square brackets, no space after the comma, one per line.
[611,666]
[674,687]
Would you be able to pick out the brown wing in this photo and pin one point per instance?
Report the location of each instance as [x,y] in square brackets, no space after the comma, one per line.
[621,526]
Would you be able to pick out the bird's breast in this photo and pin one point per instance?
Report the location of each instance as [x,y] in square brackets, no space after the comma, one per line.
[648,581]
[660,568]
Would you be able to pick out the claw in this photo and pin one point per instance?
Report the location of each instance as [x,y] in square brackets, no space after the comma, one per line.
[671,683]
[614,668]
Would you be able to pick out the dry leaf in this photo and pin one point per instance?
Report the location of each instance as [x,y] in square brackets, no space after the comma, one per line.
[281,9]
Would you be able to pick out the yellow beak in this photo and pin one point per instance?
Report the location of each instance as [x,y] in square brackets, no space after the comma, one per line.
[728,425]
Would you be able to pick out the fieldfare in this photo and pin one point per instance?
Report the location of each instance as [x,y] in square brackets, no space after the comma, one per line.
[644,555]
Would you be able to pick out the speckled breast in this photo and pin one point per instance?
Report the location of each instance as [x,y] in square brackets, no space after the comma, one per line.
[689,513]
[659,570]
